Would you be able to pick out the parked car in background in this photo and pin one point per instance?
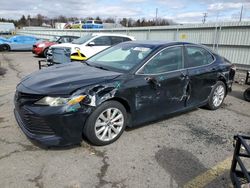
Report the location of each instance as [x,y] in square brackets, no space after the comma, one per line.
[7,28]
[41,48]
[125,85]
[18,42]
[92,24]
[90,44]
[77,24]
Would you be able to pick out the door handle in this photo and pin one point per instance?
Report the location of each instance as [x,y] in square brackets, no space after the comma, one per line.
[183,76]
[152,80]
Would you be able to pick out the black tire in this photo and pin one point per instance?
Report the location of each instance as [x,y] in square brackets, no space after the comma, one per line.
[210,105]
[247,95]
[89,128]
[45,51]
[5,47]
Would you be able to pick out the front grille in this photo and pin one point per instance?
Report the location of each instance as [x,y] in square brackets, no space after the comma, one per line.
[35,124]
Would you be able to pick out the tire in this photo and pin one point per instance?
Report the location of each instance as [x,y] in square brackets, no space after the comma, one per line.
[219,92]
[247,95]
[98,127]
[45,51]
[5,47]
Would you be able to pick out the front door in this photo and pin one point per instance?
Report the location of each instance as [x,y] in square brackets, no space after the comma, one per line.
[96,45]
[159,86]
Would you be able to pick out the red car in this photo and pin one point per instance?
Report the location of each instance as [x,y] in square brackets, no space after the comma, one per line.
[41,48]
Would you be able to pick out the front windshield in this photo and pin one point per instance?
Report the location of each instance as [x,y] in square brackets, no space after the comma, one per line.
[54,39]
[122,57]
[83,39]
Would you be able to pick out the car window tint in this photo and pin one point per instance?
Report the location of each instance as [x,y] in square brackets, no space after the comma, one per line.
[116,40]
[167,60]
[102,41]
[61,40]
[197,56]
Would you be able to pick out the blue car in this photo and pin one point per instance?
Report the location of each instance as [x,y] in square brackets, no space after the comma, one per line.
[17,43]
[93,24]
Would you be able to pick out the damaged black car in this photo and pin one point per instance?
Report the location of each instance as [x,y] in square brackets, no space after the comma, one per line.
[124,86]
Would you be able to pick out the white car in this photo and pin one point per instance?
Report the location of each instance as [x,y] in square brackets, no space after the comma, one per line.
[90,44]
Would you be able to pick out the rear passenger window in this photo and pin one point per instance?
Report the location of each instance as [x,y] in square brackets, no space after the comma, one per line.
[102,41]
[197,56]
[116,40]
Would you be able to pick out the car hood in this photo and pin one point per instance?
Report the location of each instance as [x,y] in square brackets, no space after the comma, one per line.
[64,79]
[47,43]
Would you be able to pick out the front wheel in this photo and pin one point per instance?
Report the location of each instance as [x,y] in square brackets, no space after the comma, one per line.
[45,52]
[4,47]
[106,124]
[216,96]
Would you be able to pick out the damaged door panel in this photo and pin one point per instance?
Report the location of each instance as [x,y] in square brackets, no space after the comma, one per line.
[160,85]
[202,74]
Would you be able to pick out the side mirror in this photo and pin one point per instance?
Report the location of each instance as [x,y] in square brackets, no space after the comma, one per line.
[91,44]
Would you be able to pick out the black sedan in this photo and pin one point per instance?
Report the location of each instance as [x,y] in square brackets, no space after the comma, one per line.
[123,86]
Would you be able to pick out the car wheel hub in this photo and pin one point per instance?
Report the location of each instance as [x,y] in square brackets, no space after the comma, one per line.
[218,96]
[109,124]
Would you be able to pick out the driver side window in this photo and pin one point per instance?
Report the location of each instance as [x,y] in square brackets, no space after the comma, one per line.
[169,59]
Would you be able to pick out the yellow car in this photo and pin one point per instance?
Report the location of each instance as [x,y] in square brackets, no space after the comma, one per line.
[77,24]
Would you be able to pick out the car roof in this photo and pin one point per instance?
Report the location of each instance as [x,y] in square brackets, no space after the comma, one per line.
[111,34]
[161,43]
[66,36]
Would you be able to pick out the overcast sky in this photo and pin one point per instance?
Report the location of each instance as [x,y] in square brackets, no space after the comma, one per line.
[181,11]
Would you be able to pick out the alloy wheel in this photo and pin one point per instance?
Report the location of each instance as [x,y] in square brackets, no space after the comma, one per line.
[218,95]
[109,124]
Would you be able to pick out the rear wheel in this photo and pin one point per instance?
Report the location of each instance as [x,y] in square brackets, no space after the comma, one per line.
[106,124]
[216,96]
[247,95]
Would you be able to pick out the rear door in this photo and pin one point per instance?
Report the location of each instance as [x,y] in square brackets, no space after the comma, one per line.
[202,73]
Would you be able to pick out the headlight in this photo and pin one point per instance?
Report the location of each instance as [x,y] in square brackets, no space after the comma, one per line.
[41,45]
[59,101]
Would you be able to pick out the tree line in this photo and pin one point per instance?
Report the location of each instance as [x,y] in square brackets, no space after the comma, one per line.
[40,20]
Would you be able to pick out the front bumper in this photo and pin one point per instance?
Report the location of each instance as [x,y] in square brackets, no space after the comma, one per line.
[37,50]
[51,127]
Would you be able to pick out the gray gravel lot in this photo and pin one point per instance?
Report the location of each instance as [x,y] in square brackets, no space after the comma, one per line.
[168,153]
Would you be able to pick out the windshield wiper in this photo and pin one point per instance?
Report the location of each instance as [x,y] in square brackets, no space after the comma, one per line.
[100,67]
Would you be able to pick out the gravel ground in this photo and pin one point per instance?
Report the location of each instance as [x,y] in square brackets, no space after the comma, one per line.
[167,153]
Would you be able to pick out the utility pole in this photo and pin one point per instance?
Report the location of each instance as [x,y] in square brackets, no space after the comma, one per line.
[156,16]
[204,18]
[241,11]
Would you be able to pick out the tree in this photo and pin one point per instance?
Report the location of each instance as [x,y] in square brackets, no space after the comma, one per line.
[109,20]
[40,19]
[22,22]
